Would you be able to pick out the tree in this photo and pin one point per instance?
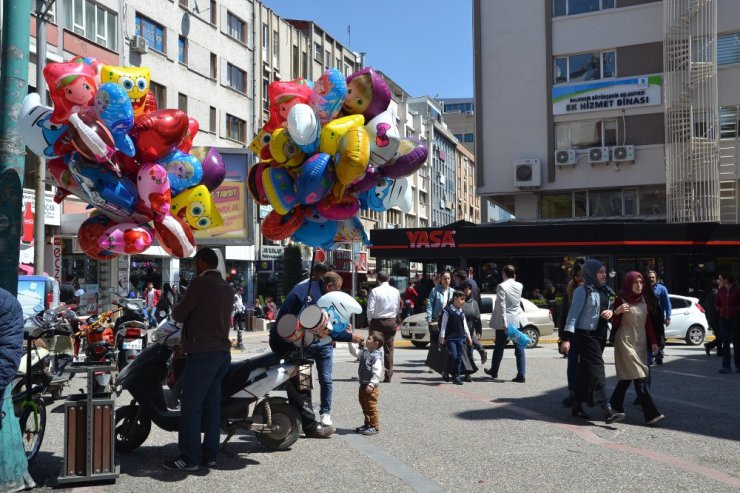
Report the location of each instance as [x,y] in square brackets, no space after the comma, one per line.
[293,266]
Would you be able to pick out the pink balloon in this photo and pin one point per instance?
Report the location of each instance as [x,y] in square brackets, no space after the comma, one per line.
[153,188]
[126,238]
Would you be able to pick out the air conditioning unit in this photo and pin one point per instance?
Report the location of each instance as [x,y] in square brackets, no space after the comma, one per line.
[527,173]
[621,154]
[139,44]
[566,157]
[598,155]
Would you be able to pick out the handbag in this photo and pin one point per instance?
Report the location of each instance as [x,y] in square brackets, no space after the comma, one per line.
[517,337]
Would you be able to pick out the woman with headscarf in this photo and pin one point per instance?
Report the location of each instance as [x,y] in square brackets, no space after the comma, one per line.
[586,324]
[633,329]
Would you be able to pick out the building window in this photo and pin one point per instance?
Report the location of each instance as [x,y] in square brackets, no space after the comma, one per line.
[318,53]
[214,66]
[236,78]
[729,122]
[214,12]
[182,50]
[304,64]
[236,128]
[237,28]
[212,119]
[458,107]
[160,94]
[586,134]
[296,62]
[265,94]
[652,201]
[92,21]
[151,31]
[575,7]
[275,47]
[265,41]
[728,48]
[182,102]
[649,201]
[585,66]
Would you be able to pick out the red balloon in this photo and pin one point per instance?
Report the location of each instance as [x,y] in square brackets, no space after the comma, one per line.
[175,236]
[128,165]
[87,237]
[150,103]
[157,133]
[187,141]
[78,142]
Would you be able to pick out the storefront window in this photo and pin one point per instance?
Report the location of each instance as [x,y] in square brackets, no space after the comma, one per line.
[605,203]
[143,271]
[652,201]
[580,204]
[557,206]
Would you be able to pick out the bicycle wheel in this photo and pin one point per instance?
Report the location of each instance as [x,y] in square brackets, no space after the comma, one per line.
[33,425]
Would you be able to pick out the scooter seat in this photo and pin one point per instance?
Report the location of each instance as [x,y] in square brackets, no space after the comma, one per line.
[237,373]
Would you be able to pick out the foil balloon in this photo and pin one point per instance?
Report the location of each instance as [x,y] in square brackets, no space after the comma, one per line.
[126,238]
[88,234]
[35,126]
[59,171]
[184,170]
[284,151]
[304,128]
[315,180]
[339,307]
[276,227]
[316,230]
[367,94]
[260,145]
[175,237]
[332,132]
[153,188]
[214,169]
[370,180]
[411,155]
[113,195]
[384,137]
[255,185]
[351,231]
[196,206]
[187,141]
[283,97]
[90,137]
[150,103]
[113,108]
[128,165]
[133,80]
[387,194]
[157,134]
[352,155]
[280,189]
[338,209]
[328,95]
[72,87]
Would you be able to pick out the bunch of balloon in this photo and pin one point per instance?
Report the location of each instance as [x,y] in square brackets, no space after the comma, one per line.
[107,143]
[330,148]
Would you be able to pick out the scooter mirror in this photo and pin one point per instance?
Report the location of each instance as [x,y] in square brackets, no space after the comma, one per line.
[38,309]
[79,292]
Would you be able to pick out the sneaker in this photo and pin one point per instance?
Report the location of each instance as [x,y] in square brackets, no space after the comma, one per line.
[467,378]
[362,428]
[725,371]
[457,382]
[483,357]
[519,379]
[369,431]
[326,419]
[209,463]
[612,416]
[178,465]
[321,432]
[656,419]
[487,371]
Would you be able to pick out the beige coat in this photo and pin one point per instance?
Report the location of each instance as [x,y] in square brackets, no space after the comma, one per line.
[630,344]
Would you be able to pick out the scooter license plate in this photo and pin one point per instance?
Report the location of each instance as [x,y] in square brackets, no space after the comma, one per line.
[135,344]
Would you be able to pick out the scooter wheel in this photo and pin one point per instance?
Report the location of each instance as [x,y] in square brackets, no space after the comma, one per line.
[132,428]
[286,418]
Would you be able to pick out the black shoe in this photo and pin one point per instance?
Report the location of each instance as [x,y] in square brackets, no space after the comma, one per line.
[362,428]
[209,463]
[178,465]
[321,432]
[613,416]
[467,378]
[568,401]
[659,361]
[446,377]
[578,412]
[490,373]
[387,380]
[483,357]
[519,379]
[707,349]
[457,382]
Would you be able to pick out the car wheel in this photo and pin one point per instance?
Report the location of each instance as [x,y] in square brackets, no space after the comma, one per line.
[420,344]
[533,334]
[695,335]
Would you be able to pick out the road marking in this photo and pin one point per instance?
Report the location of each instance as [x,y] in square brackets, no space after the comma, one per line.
[413,478]
[694,375]
[594,439]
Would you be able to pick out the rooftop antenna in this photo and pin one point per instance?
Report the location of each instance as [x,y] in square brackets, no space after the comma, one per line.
[349,35]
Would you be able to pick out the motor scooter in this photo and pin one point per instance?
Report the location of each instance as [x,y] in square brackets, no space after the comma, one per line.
[99,346]
[130,331]
[247,385]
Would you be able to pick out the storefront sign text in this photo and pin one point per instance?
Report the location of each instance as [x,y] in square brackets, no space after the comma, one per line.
[607,95]
[436,238]
[271,252]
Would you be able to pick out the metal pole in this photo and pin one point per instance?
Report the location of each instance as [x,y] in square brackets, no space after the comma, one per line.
[14,86]
[39,232]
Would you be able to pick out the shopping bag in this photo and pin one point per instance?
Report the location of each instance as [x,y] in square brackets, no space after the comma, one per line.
[517,337]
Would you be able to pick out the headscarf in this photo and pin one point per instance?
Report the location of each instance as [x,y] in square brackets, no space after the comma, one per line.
[590,269]
[627,294]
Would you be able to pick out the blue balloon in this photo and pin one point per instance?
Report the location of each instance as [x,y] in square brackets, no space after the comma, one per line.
[183,170]
[316,231]
[101,187]
[316,179]
[114,109]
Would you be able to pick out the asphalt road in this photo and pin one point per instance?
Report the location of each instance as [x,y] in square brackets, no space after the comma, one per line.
[483,436]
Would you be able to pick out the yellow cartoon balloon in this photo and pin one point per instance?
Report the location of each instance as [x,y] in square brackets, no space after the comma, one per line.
[284,150]
[333,132]
[135,80]
[352,156]
[195,205]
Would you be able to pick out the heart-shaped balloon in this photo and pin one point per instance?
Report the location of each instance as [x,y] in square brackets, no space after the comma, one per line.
[315,180]
[411,155]
[184,170]
[214,169]
[156,134]
[187,141]
[126,238]
[255,185]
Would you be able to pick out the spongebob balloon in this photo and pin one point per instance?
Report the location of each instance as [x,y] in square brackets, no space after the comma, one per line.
[134,80]
[284,150]
[195,205]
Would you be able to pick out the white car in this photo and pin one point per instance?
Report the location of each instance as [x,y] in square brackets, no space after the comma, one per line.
[416,329]
[688,321]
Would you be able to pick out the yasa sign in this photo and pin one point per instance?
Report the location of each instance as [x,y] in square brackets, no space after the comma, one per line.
[436,238]
[607,94]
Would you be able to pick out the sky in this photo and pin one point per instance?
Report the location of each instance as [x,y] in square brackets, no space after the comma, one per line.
[425,46]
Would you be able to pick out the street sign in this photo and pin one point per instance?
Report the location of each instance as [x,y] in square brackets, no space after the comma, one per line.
[271,252]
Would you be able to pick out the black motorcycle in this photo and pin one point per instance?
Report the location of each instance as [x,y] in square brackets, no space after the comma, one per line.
[130,331]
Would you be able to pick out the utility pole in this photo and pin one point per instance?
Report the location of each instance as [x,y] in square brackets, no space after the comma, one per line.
[39,221]
[14,87]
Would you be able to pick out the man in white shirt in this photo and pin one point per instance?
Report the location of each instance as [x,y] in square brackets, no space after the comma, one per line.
[383,307]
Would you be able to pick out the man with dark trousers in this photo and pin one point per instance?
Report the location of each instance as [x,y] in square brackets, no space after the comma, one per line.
[205,312]
[383,307]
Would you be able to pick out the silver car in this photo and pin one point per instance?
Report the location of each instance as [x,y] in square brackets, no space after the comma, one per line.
[416,329]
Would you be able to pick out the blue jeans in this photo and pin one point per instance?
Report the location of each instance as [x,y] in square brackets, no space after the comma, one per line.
[573,357]
[201,405]
[498,354]
[150,314]
[324,357]
[730,328]
[455,347]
